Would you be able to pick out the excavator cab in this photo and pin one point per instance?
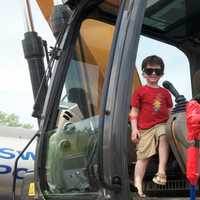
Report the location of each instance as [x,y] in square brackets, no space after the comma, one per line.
[84,149]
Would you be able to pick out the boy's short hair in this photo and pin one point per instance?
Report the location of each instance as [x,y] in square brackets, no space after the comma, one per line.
[197,98]
[153,60]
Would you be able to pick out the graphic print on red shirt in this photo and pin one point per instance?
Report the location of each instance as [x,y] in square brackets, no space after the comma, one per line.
[153,105]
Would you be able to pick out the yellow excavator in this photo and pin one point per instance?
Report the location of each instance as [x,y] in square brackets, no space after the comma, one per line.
[82,97]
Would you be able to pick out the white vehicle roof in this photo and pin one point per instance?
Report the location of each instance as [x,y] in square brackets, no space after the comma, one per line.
[16,132]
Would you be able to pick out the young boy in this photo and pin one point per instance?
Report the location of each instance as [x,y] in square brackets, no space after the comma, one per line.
[150,110]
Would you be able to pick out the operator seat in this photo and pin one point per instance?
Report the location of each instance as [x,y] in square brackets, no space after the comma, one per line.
[78,95]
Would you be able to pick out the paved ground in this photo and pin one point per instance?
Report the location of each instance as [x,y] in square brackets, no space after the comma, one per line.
[135,197]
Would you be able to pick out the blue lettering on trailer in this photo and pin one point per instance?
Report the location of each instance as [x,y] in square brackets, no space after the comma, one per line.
[11,154]
[5,169]
[23,170]
[27,155]
[7,153]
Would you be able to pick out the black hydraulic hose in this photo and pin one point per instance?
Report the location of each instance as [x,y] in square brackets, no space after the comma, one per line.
[16,164]
[34,53]
[47,75]
[47,55]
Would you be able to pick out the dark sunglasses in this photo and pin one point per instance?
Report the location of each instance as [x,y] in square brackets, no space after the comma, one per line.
[149,71]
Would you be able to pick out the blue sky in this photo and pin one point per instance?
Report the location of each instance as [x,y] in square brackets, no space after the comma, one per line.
[15,87]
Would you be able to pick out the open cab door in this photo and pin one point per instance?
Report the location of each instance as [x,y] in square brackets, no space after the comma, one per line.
[82,150]
[84,143]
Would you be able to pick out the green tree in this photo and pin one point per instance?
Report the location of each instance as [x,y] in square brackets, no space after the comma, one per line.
[12,120]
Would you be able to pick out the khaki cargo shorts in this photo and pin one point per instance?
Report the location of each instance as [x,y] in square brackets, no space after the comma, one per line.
[148,141]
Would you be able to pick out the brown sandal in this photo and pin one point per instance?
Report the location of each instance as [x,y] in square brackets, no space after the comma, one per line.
[160,179]
[139,194]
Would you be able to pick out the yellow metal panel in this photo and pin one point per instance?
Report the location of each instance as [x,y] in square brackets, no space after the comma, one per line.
[95,42]
[46,7]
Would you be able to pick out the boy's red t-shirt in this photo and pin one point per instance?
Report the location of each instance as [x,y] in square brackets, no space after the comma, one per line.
[153,105]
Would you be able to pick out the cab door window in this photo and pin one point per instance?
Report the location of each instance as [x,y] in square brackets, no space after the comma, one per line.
[71,159]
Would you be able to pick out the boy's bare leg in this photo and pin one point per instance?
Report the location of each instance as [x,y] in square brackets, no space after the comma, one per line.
[140,169]
[163,150]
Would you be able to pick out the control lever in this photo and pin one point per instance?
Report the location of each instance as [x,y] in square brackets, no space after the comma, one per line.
[179,99]
[171,88]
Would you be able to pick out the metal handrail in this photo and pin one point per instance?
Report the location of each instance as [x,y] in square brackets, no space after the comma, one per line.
[16,164]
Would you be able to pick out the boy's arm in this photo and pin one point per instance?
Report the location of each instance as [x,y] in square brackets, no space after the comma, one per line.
[133,119]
